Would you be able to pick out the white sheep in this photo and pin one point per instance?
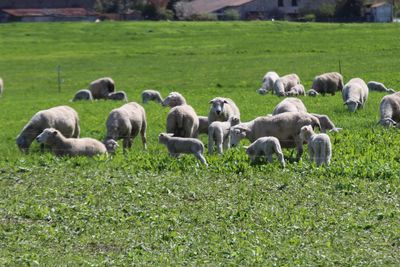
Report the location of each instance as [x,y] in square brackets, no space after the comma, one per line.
[328,83]
[218,134]
[312,92]
[326,123]
[285,83]
[178,145]
[355,94]
[1,86]
[379,87]
[222,109]
[62,118]
[120,95]
[174,99]
[268,82]
[296,90]
[83,94]
[151,95]
[290,104]
[390,110]
[101,87]
[126,122]
[265,146]
[203,125]
[319,145]
[62,146]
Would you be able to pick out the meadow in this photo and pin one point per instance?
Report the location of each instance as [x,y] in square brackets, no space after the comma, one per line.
[145,208]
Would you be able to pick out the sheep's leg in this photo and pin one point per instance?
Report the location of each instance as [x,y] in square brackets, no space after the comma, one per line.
[319,156]
[226,142]
[281,158]
[310,153]
[329,155]
[42,148]
[269,158]
[210,144]
[219,140]
[127,143]
[299,147]
[143,134]
[201,158]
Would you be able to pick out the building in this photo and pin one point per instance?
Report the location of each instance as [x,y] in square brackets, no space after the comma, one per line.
[14,4]
[379,12]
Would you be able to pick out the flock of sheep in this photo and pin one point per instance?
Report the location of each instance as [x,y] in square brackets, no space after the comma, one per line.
[289,126]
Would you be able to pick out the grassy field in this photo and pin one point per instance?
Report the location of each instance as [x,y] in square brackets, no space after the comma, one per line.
[145,208]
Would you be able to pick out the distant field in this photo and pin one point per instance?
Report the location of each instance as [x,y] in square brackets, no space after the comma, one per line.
[145,208]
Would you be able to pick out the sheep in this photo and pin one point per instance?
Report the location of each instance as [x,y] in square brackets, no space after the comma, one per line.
[312,93]
[285,83]
[62,146]
[268,82]
[326,123]
[126,122]
[62,118]
[265,146]
[379,87]
[1,86]
[285,126]
[151,95]
[83,94]
[328,83]
[296,90]
[111,145]
[120,95]
[177,145]
[174,99]
[319,145]
[289,104]
[203,125]
[390,110]
[218,133]
[101,87]
[222,109]
[355,94]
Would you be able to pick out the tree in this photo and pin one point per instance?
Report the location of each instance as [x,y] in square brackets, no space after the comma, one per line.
[349,9]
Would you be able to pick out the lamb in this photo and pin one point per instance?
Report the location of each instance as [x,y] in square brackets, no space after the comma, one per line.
[218,133]
[126,122]
[222,109]
[151,95]
[326,123]
[62,146]
[355,94]
[100,88]
[265,146]
[177,145]
[312,92]
[120,95]
[379,87]
[390,110]
[296,90]
[83,94]
[328,83]
[319,145]
[285,83]
[268,82]
[62,118]
[203,125]
[1,86]
[285,126]
[289,104]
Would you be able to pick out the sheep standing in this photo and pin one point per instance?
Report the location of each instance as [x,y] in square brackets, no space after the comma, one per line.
[222,109]
[290,104]
[328,83]
[151,95]
[285,83]
[390,110]
[379,87]
[1,86]
[62,118]
[178,145]
[218,134]
[319,145]
[355,94]
[265,146]
[100,88]
[268,82]
[83,94]
[62,146]
[126,122]
[120,95]
[203,125]
[296,90]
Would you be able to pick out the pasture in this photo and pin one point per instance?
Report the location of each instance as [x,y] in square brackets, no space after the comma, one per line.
[145,208]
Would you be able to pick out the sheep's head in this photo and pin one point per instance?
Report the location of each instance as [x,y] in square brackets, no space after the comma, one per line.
[251,152]
[111,145]
[237,133]
[352,105]
[22,144]
[388,122]
[163,137]
[312,92]
[306,132]
[218,104]
[47,135]
[173,99]
[262,91]
[234,120]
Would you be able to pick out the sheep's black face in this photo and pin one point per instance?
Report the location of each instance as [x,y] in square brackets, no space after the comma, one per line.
[22,144]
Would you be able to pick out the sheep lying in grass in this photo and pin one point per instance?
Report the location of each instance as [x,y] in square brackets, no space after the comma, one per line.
[326,123]
[1,86]
[390,110]
[312,93]
[100,88]
[355,94]
[290,104]
[83,94]
[62,118]
[285,83]
[203,125]
[222,109]
[379,87]
[296,90]
[178,145]
[120,95]
[319,145]
[62,146]
[218,134]
[328,83]
[268,82]
[151,95]
[265,146]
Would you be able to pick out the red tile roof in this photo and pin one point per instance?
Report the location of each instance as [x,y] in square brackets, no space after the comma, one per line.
[54,12]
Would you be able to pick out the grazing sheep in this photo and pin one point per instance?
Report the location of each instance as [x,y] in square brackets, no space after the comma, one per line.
[289,104]
[296,90]
[218,134]
[285,83]
[62,118]
[328,83]
[126,122]
[268,82]
[355,94]
[222,109]
[285,126]
[174,99]
[62,146]
[100,88]
[203,125]
[83,94]
[265,146]
[111,146]
[319,145]
[120,95]
[379,87]
[151,95]
[326,123]
[312,92]
[177,145]
[390,110]
[1,86]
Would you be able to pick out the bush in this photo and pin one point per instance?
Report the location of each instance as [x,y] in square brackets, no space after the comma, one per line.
[231,14]
[309,17]
[202,17]
[154,13]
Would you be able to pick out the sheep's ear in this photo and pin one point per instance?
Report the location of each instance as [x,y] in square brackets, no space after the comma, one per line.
[211,101]
[225,102]
[55,133]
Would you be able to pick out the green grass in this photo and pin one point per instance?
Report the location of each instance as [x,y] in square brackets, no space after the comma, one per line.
[145,208]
